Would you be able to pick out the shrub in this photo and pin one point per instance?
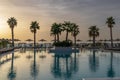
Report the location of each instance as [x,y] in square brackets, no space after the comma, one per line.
[63,44]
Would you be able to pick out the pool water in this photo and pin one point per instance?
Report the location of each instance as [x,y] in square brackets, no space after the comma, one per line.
[28,64]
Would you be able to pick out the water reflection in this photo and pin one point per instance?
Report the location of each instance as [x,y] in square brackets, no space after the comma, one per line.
[29,56]
[76,63]
[42,51]
[111,72]
[34,67]
[93,61]
[23,50]
[64,65]
[12,71]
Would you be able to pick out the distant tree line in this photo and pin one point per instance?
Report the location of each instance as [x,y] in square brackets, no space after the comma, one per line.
[67,27]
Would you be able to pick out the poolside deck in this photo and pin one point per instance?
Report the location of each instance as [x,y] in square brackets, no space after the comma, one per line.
[4,50]
[101,79]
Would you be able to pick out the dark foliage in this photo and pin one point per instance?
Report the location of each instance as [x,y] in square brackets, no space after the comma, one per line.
[63,44]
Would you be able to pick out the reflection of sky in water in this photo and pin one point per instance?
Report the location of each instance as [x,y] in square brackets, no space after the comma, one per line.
[85,64]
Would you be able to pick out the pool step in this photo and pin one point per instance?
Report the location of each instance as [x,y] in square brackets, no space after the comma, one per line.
[101,79]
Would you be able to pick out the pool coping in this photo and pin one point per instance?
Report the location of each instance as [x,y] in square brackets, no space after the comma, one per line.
[116,78]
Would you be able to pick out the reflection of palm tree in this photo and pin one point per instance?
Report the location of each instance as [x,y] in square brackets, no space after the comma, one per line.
[12,22]
[42,56]
[56,70]
[75,65]
[23,50]
[64,70]
[94,62]
[29,56]
[111,72]
[34,67]
[12,71]
[68,68]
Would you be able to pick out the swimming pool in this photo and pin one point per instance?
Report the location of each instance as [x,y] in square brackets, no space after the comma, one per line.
[27,64]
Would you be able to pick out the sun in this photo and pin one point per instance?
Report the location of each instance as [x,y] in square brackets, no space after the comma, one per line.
[3,26]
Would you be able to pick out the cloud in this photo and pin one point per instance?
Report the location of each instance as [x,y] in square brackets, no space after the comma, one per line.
[83,12]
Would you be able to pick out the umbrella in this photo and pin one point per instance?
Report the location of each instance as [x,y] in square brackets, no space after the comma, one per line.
[78,40]
[101,40]
[105,40]
[117,39]
[42,40]
[89,40]
[29,40]
[9,39]
[3,39]
[16,40]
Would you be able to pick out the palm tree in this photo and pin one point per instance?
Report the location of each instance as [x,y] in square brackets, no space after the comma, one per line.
[93,32]
[12,22]
[111,22]
[34,26]
[67,26]
[56,30]
[75,32]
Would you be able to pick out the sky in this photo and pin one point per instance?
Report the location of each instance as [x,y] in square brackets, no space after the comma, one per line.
[85,13]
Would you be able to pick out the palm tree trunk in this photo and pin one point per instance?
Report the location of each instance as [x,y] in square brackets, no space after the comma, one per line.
[34,40]
[93,41]
[66,35]
[75,41]
[111,37]
[12,30]
[57,37]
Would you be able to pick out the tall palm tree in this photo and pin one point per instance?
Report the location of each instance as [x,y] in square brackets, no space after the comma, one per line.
[34,26]
[75,32]
[93,32]
[67,26]
[56,30]
[12,22]
[111,22]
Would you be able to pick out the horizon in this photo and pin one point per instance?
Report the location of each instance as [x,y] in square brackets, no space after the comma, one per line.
[84,13]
